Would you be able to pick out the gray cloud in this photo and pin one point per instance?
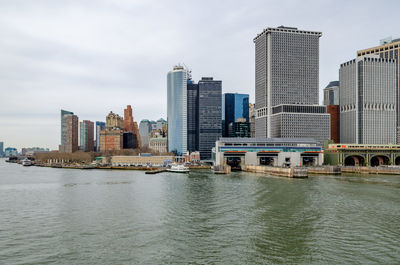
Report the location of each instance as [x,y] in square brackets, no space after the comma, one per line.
[91,57]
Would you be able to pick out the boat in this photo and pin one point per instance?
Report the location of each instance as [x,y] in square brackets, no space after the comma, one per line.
[178,169]
[26,162]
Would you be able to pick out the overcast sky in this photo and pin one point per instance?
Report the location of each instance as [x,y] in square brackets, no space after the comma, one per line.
[93,56]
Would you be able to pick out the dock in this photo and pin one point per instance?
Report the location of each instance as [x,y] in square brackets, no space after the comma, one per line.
[156,171]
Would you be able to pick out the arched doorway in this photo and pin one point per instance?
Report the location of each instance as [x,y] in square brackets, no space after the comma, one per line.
[379,160]
[354,161]
[234,162]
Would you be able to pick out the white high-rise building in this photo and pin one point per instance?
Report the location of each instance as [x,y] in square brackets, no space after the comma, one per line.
[287,85]
[177,110]
[368,100]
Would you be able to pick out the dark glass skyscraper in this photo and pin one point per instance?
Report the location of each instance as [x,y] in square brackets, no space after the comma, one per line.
[236,107]
[209,115]
[192,115]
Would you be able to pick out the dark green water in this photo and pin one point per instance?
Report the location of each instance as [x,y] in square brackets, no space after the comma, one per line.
[66,216]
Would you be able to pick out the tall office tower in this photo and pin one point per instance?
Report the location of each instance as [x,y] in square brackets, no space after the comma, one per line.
[287,76]
[1,149]
[144,130]
[210,112]
[177,110]
[130,125]
[64,114]
[86,135]
[69,132]
[192,116]
[236,107]
[368,100]
[389,49]
[331,94]
[99,127]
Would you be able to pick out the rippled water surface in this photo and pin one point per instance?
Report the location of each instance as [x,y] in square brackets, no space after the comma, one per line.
[68,216]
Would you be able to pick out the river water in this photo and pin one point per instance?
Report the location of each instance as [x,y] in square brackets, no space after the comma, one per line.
[68,216]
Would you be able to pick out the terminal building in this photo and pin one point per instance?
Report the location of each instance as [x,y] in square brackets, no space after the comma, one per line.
[362,155]
[280,152]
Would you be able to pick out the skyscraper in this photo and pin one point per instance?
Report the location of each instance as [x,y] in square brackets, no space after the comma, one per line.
[236,107]
[131,126]
[368,100]
[86,135]
[177,110]
[144,130]
[389,49]
[210,113]
[192,116]
[69,132]
[99,127]
[1,149]
[287,77]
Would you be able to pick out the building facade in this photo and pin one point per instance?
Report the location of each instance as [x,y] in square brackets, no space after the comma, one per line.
[87,135]
[238,152]
[111,140]
[334,112]
[129,140]
[368,100]
[159,144]
[1,149]
[99,127]
[389,49]
[210,113]
[239,129]
[236,107]
[287,73]
[331,94]
[177,110]
[114,121]
[69,132]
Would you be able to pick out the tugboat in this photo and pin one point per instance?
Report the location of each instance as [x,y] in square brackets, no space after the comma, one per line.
[178,169]
[26,162]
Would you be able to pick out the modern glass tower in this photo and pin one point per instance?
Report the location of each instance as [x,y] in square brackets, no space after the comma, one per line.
[177,110]
[192,116]
[100,125]
[210,112]
[236,107]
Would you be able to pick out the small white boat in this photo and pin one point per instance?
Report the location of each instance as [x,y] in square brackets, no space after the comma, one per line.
[178,169]
[26,162]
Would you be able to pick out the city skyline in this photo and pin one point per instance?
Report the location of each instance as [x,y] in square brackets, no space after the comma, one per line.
[60,65]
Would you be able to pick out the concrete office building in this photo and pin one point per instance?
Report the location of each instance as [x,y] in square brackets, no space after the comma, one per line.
[86,135]
[69,132]
[236,106]
[252,117]
[177,110]
[99,127]
[287,77]
[238,152]
[331,94]
[390,49]
[368,100]
[210,112]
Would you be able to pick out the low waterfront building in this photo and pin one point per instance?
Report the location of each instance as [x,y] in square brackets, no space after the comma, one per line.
[361,154]
[10,151]
[141,160]
[238,152]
